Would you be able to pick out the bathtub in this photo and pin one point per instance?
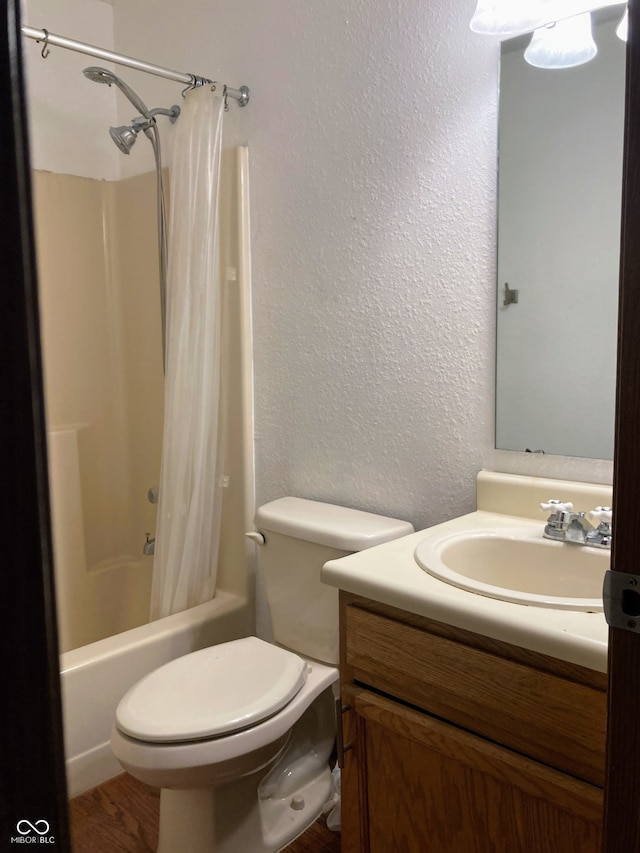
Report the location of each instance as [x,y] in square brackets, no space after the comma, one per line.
[96,676]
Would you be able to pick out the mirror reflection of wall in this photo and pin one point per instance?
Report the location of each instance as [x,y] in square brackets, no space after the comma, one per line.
[559,200]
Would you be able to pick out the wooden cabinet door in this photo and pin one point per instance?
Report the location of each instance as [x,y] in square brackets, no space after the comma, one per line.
[425,785]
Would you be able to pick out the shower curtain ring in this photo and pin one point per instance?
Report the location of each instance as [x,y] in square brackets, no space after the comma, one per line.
[191,85]
[45,44]
[196,82]
[214,88]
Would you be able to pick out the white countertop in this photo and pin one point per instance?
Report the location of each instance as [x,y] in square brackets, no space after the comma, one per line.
[389,574]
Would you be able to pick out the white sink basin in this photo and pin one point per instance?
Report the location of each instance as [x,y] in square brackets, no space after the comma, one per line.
[517,565]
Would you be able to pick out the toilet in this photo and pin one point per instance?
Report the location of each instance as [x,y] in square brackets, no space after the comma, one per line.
[239,736]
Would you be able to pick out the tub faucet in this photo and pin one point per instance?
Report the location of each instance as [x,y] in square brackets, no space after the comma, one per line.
[149,547]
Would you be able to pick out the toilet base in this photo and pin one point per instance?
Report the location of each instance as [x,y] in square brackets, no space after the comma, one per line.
[231,820]
[253,791]
[262,810]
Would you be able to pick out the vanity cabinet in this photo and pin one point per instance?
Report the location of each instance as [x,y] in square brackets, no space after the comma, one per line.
[455,742]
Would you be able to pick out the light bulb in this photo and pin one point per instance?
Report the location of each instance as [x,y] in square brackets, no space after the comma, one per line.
[622,30]
[563,44]
[505,17]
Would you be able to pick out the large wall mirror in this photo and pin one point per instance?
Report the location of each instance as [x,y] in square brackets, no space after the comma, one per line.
[559,200]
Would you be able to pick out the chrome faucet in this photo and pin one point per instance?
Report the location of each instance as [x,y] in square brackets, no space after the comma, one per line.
[578,529]
[565,525]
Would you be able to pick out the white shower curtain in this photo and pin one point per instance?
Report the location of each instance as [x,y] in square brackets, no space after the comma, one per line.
[190,495]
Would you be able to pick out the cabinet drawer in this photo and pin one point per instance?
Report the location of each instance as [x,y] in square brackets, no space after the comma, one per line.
[547,717]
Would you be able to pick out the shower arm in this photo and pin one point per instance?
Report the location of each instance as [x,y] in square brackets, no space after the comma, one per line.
[142,122]
[48,39]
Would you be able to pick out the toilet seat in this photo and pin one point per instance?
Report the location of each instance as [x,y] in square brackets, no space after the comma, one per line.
[212,692]
[198,763]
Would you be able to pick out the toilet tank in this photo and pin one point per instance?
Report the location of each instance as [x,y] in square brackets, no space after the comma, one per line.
[300,537]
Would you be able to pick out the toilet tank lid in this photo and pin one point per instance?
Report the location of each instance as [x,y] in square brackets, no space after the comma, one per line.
[327,524]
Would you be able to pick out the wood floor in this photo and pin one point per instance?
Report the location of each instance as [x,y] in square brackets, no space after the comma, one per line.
[121,816]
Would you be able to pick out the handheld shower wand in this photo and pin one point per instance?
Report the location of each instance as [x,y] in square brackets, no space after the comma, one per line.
[102,75]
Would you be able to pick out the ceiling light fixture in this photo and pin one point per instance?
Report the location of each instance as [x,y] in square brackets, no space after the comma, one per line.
[506,18]
[563,44]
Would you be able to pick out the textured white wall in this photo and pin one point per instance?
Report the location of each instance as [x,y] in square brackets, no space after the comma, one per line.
[372,136]
[372,139]
[69,116]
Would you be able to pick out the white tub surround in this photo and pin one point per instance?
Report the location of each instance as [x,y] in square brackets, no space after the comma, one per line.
[391,575]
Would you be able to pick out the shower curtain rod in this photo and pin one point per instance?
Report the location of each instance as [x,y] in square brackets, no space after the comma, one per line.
[241,95]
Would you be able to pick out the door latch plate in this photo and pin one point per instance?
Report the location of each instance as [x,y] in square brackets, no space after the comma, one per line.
[621,598]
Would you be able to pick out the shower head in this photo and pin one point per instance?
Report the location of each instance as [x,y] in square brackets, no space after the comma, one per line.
[124,137]
[102,75]
[99,75]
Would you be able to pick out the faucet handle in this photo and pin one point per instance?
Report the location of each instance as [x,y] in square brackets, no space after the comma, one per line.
[558,520]
[556,506]
[602,513]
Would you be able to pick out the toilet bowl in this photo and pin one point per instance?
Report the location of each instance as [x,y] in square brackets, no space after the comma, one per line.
[239,736]
[246,776]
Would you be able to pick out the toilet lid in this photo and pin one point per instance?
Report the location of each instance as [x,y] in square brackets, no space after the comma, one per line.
[211,692]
